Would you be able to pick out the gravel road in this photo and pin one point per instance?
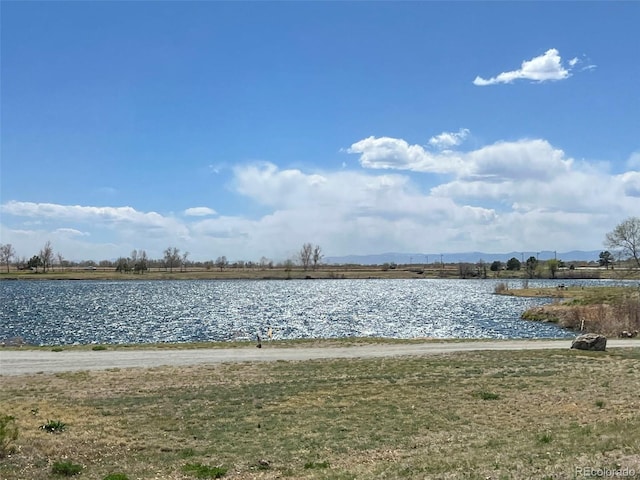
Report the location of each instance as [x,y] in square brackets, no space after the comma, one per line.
[26,362]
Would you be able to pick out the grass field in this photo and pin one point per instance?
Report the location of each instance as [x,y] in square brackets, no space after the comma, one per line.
[482,415]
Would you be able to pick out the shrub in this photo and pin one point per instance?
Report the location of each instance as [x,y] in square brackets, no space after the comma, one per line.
[98,348]
[484,395]
[66,468]
[501,287]
[57,349]
[545,438]
[8,435]
[204,471]
[54,426]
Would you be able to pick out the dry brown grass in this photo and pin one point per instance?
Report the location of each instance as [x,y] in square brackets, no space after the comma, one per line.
[605,310]
[481,415]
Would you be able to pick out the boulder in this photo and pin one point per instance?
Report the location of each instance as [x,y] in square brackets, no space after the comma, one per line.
[590,341]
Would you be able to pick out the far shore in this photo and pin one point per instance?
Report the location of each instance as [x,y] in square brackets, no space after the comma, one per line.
[333,272]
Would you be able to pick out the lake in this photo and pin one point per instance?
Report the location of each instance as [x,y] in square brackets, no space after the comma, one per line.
[139,311]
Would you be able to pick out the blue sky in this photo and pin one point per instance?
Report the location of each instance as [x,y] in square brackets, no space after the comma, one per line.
[246,129]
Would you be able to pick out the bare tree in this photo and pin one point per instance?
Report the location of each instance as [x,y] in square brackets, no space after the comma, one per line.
[305,254]
[316,256]
[143,262]
[183,264]
[7,252]
[171,258]
[60,260]
[265,263]
[221,262]
[46,255]
[626,238]
[139,261]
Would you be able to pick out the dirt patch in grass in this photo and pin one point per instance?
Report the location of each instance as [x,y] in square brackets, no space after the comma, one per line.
[478,415]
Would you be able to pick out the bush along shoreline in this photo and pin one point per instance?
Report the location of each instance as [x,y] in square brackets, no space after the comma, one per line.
[609,311]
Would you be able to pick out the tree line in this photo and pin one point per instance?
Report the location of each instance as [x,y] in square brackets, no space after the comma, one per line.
[138,262]
[623,241]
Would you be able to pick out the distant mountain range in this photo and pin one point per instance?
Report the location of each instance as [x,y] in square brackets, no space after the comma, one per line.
[467,257]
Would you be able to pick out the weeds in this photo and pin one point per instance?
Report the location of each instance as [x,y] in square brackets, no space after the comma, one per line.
[8,435]
[610,311]
[484,395]
[187,453]
[116,476]
[66,468]
[54,426]
[545,438]
[204,471]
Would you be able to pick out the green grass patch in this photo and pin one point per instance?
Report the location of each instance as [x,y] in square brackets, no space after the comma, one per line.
[66,468]
[485,395]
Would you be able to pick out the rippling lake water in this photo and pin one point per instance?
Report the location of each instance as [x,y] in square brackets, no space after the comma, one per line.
[139,311]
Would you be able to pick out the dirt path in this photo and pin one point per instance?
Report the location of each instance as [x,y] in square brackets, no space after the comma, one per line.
[25,362]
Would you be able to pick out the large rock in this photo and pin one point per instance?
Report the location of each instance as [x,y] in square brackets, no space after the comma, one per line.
[590,341]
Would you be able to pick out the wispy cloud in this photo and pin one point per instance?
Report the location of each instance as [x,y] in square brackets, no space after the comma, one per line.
[199,212]
[71,232]
[546,67]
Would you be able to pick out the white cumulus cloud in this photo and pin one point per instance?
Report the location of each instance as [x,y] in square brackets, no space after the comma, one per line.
[449,139]
[519,159]
[396,153]
[507,195]
[543,68]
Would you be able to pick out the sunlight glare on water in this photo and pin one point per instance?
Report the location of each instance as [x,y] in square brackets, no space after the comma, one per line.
[139,311]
